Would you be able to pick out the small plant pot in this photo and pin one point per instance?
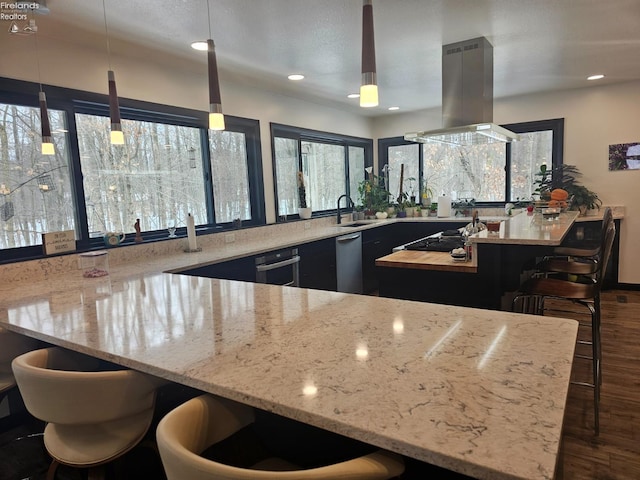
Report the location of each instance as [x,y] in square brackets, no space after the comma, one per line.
[402,214]
[381,215]
[304,213]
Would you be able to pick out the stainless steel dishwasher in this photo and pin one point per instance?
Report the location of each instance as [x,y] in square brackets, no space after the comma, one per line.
[349,263]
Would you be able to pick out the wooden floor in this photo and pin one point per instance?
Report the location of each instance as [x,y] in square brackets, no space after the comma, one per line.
[615,453]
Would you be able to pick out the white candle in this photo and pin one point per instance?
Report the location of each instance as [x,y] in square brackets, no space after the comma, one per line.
[191,233]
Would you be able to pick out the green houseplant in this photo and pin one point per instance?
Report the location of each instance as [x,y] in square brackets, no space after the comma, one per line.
[426,194]
[374,197]
[583,199]
[566,177]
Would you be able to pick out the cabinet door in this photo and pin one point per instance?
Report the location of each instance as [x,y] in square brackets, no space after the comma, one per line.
[376,243]
[242,269]
[318,265]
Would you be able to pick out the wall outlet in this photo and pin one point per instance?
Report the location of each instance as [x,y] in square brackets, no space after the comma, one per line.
[307,225]
[230,238]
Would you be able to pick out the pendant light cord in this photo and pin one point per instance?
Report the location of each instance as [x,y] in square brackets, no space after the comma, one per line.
[35,38]
[208,18]
[106,30]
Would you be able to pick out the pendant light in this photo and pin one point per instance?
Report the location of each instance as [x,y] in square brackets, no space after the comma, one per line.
[45,126]
[216,118]
[369,87]
[117,137]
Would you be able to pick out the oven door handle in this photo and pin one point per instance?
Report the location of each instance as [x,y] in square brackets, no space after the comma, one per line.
[273,266]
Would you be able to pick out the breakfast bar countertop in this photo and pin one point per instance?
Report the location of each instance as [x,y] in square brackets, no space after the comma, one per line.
[530,229]
[475,391]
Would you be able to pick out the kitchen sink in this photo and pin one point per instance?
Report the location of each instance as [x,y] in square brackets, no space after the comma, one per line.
[356,224]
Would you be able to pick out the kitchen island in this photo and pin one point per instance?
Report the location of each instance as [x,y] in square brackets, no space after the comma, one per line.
[498,260]
[477,392]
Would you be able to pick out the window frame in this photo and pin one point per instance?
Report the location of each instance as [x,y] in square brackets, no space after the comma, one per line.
[556,125]
[73,101]
[303,134]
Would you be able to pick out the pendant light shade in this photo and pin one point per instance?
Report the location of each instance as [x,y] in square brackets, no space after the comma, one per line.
[369,88]
[47,141]
[216,118]
[117,137]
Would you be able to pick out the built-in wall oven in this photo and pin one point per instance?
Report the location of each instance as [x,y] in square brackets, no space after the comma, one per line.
[280,268]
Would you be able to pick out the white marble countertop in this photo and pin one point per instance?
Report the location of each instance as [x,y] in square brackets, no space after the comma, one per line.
[478,392]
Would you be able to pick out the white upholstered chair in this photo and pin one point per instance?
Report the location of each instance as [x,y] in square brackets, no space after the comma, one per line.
[95,413]
[188,430]
[11,345]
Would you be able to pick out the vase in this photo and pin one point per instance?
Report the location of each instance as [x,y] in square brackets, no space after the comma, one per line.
[381,215]
[304,213]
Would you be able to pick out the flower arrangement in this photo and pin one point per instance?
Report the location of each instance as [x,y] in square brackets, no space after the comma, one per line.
[302,191]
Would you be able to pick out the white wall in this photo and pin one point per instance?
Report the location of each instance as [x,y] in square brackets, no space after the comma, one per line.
[594,118]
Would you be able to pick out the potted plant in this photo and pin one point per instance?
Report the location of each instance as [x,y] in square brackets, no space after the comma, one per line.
[583,199]
[566,178]
[559,176]
[303,210]
[411,184]
[426,194]
[464,206]
[401,206]
[373,195]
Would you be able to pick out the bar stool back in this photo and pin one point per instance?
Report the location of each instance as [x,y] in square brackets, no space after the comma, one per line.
[185,432]
[584,290]
[585,250]
[94,415]
[11,346]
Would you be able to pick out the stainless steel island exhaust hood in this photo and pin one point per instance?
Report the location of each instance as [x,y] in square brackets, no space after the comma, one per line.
[467,98]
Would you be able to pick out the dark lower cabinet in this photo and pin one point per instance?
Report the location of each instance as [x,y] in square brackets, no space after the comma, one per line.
[318,264]
[376,243]
[317,267]
[243,269]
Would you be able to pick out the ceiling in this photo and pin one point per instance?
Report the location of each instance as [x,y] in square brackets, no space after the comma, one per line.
[539,45]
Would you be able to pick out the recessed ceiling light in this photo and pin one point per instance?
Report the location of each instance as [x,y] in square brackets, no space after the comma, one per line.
[295,76]
[595,77]
[199,45]
[394,108]
[353,95]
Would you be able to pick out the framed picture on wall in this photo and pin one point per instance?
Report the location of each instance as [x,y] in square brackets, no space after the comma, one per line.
[624,156]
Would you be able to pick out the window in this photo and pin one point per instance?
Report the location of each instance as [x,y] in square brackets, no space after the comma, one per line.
[36,194]
[403,159]
[157,176]
[230,173]
[488,173]
[332,165]
[170,165]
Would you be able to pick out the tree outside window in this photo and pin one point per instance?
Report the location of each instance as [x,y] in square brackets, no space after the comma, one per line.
[35,190]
